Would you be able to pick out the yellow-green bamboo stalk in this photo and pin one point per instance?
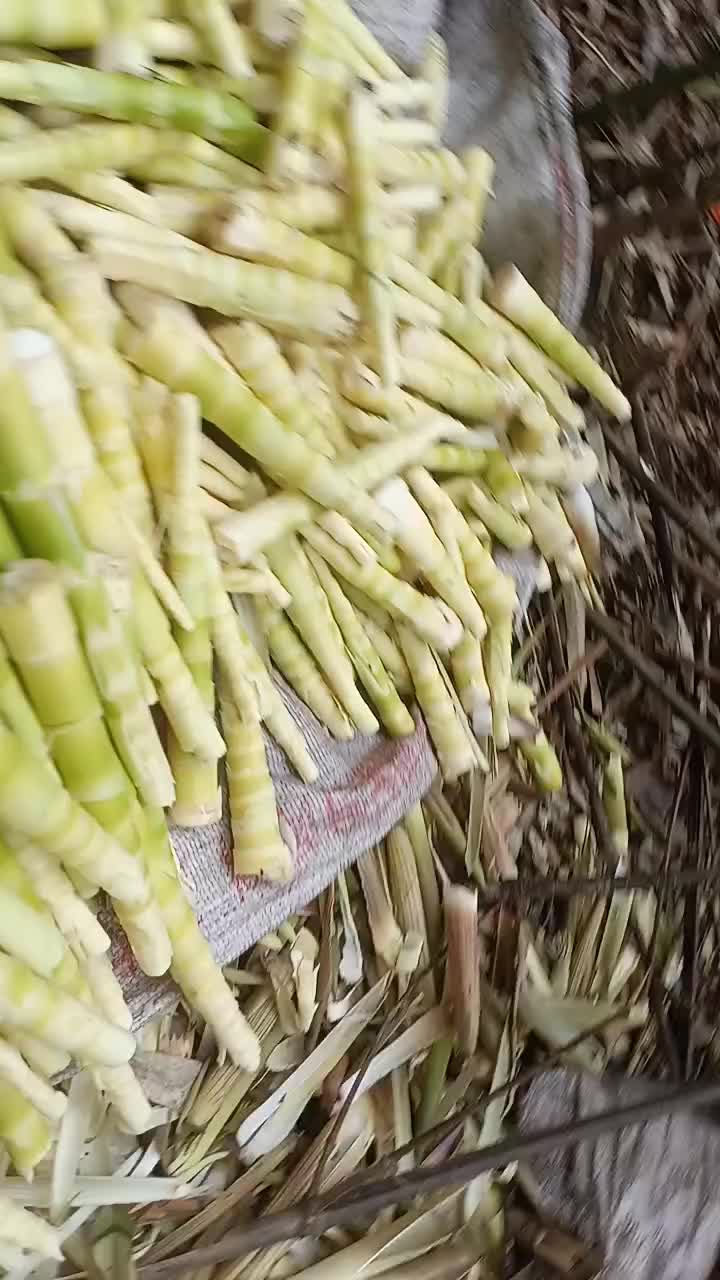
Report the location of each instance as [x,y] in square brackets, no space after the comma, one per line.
[197,797]
[480,167]
[77,290]
[542,761]
[614,802]
[67,25]
[495,591]
[306,206]
[504,483]
[380,689]
[483,398]
[193,968]
[123,46]
[439,167]
[419,543]
[17,711]
[47,528]
[343,22]
[277,22]
[23,1131]
[99,521]
[467,328]
[284,301]
[36,1091]
[513,297]
[215,456]
[317,384]
[311,614]
[293,119]
[77,148]
[83,301]
[81,218]
[498,665]
[384,929]
[257,357]
[77,923]
[455,459]
[258,847]
[430,618]
[35,806]
[387,649]
[552,533]
[249,680]
[38,628]
[437,348]
[40,1007]
[195,162]
[562,468]
[361,125]
[221,36]
[245,232]
[533,366]
[416,828]
[300,670]
[507,527]
[124,97]
[468,673]
[247,533]
[443,233]
[405,888]
[227,402]
[455,749]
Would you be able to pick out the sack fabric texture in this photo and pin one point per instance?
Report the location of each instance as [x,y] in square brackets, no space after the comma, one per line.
[647,1195]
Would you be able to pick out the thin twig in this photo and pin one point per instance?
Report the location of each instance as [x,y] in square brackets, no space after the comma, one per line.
[668,81]
[542,888]
[584,663]
[652,675]
[313,1216]
[661,527]
[669,217]
[579,755]
[675,661]
[709,580]
[637,468]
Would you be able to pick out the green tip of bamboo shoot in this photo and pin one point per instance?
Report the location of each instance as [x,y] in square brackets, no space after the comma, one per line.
[515,298]
[542,762]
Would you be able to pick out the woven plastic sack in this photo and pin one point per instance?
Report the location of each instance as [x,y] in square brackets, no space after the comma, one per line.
[646,1196]
[509,91]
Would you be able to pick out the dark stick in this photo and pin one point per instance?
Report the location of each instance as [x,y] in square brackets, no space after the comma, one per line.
[671,218]
[679,512]
[588,660]
[661,527]
[690,925]
[709,580]
[541,888]
[668,81]
[653,676]
[579,756]
[316,1215]
[674,661]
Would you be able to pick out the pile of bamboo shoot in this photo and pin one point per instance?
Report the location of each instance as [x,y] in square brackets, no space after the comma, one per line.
[250,348]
